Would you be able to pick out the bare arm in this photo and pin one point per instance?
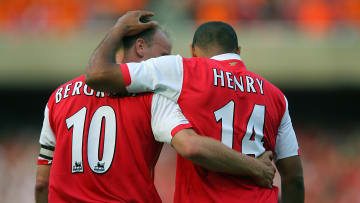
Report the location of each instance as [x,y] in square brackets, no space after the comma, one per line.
[42,183]
[292,182]
[215,156]
[103,74]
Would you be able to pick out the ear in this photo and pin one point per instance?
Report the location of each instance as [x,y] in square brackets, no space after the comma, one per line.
[192,50]
[238,50]
[139,47]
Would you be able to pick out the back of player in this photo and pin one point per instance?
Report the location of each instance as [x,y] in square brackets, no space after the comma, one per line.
[104,146]
[239,108]
[222,100]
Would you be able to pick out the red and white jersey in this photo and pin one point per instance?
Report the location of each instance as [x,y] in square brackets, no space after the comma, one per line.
[223,100]
[102,149]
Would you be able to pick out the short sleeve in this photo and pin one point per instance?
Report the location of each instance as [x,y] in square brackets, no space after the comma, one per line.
[166,119]
[286,142]
[162,75]
[47,141]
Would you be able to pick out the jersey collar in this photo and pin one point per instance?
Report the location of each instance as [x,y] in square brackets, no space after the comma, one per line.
[227,56]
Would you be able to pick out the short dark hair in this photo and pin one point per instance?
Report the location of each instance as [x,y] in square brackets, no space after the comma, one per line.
[147,35]
[216,33]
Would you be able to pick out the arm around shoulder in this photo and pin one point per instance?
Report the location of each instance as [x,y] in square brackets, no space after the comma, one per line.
[215,156]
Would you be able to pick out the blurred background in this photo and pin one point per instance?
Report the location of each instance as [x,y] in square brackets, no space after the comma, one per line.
[308,48]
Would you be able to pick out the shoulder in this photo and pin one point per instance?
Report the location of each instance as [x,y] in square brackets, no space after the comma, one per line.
[165,59]
[145,97]
[60,88]
[197,62]
[78,79]
[273,88]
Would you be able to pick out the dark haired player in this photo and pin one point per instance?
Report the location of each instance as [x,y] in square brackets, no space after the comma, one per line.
[96,148]
[221,99]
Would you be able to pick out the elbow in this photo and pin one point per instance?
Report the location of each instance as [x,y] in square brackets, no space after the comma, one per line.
[95,80]
[95,74]
[91,79]
[41,185]
[190,149]
[92,76]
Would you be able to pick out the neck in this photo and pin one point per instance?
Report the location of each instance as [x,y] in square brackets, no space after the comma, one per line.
[212,51]
[129,56]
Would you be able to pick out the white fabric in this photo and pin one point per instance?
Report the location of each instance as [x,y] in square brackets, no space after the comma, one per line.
[165,116]
[163,75]
[47,136]
[227,56]
[286,143]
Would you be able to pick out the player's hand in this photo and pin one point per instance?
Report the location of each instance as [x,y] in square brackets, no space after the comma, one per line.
[134,22]
[266,170]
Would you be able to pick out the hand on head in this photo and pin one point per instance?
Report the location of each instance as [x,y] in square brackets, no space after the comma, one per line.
[135,22]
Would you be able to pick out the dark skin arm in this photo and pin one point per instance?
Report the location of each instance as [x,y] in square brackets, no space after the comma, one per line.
[42,183]
[292,182]
[215,156]
[102,73]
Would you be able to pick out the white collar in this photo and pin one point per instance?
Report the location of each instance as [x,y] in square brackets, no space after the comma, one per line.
[227,56]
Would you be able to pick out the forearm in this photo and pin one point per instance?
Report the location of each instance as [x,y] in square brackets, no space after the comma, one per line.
[213,155]
[41,195]
[217,157]
[292,190]
[102,71]
[42,183]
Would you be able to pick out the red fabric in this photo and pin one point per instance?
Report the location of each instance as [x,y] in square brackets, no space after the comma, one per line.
[125,73]
[43,162]
[179,128]
[196,184]
[129,178]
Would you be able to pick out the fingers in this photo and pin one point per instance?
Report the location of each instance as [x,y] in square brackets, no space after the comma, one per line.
[146,14]
[151,24]
[144,19]
[268,154]
[134,22]
[268,183]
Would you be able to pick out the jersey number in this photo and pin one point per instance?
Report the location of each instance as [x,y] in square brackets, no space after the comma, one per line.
[77,122]
[251,143]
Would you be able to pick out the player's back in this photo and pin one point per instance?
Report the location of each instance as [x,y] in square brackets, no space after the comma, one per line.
[239,108]
[105,150]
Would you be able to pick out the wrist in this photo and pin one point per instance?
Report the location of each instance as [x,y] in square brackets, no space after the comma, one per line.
[256,169]
[119,31]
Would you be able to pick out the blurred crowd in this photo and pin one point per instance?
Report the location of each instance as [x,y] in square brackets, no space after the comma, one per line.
[314,16]
[330,166]
[330,159]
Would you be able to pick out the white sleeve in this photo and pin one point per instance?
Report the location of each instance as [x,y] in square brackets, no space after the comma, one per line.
[166,119]
[286,143]
[163,75]
[47,140]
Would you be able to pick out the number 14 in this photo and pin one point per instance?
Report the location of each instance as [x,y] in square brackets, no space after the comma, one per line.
[255,128]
